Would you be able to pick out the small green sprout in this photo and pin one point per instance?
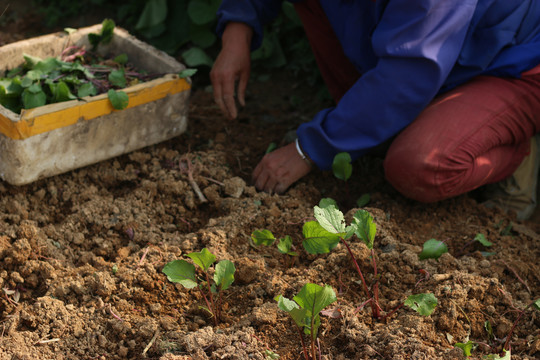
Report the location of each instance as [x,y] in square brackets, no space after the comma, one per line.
[342,167]
[424,304]
[185,273]
[433,249]
[305,308]
[266,238]
[467,347]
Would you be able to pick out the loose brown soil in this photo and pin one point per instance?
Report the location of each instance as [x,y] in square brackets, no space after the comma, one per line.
[81,254]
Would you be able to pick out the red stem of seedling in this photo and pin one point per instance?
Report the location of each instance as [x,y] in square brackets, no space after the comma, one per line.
[374,308]
[213,307]
[303,342]
[377,313]
[509,336]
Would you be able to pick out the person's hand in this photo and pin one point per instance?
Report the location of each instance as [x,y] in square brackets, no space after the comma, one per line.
[280,169]
[232,65]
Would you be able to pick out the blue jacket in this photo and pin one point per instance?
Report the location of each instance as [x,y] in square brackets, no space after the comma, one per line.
[408,52]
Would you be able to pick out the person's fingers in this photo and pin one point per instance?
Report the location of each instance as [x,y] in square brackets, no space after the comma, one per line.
[230,104]
[242,85]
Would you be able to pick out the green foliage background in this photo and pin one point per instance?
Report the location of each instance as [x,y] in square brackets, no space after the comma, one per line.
[186,28]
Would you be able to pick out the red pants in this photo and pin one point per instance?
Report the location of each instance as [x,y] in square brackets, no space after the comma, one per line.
[474,135]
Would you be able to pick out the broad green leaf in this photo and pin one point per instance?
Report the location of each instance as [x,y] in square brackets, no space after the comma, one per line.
[284,246]
[34,75]
[341,166]
[187,73]
[200,12]
[46,66]
[433,249]
[86,89]
[365,228]
[224,275]
[467,348]
[61,92]
[482,240]
[314,297]
[424,304]
[203,258]
[202,35]
[536,304]
[30,61]
[33,97]
[180,271]
[119,99]
[363,200]
[324,202]
[263,237]
[286,304]
[107,31]
[317,240]
[118,78]
[121,59]
[153,14]
[330,219]
[196,56]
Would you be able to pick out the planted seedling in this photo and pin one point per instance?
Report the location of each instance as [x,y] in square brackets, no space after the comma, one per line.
[433,249]
[342,169]
[305,310]
[190,277]
[266,237]
[331,221]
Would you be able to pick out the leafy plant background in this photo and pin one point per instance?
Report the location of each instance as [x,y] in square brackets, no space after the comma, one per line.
[186,28]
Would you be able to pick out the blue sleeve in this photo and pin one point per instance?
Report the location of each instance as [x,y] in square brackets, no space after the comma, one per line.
[255,13]
[417,43]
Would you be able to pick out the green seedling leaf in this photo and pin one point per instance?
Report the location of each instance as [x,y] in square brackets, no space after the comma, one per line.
[187,73]
[263,237]
[318,240]
[118,78]
[507,356]
[33,97]
[330,218]
[180,271]
[489,330]
[60,92]
[121,59]
[482,240]
[270,355]
[364,227]
[30,61]
[341,166]
[286,304]
[433,249]
[200,12]
[467,348]
[299,315]
[224,275]
[536,304]
[271,147]
[196,56]
[284,246]
[203,258]
[325,202]
[86,89]
[313,298]
[153,14]
[363,200]
[424,304]
[119,99]
[105,35]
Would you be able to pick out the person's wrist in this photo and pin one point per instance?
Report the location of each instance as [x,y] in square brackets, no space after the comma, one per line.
[235,31]
[302,154]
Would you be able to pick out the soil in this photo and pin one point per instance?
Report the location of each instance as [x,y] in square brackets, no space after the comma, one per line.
[82,253]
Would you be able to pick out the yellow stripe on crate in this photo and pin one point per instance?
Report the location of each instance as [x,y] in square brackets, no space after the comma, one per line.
[46,118]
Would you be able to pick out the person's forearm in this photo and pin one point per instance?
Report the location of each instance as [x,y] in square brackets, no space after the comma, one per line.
[237,33]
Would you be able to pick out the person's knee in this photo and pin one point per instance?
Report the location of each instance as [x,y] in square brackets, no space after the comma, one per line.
[413,175]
